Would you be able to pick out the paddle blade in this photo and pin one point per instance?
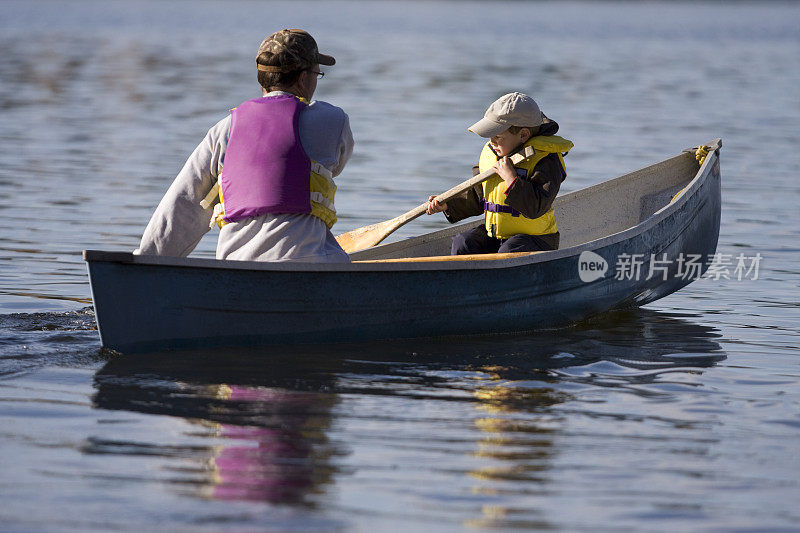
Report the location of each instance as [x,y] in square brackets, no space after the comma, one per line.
[362,238]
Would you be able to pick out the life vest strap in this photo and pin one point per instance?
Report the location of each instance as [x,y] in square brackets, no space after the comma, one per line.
[499,208]
[322,171]
[217,216]
[320,199]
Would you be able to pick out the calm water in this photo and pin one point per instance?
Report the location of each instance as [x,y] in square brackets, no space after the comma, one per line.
[684,415]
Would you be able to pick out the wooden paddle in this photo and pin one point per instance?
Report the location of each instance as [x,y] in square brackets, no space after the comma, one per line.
[362,238]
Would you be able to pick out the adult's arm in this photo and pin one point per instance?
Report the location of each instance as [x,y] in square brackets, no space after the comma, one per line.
[326,136]
[179,221]
[345,149]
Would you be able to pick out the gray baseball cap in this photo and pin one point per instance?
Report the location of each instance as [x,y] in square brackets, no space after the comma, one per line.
[512,109]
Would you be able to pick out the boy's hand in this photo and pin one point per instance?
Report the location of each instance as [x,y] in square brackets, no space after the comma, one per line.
[505,169]
[434,206]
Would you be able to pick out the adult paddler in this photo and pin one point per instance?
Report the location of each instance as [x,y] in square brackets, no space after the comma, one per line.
[264,173]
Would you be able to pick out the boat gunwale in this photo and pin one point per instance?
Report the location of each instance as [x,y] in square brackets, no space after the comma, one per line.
[682,198]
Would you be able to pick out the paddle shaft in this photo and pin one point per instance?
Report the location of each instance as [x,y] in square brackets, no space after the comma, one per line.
[361,238]
[466,185]
[516,159]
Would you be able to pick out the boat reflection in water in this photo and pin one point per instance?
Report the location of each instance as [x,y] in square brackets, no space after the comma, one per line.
[278,463]
[517,428]
[268,412]
[267,424]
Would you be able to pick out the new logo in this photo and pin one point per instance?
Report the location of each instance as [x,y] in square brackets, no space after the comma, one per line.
[591,266]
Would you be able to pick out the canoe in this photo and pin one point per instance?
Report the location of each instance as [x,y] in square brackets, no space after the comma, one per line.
[624,243]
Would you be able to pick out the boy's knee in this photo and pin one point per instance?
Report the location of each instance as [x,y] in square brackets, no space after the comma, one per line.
[474,241]
[460,244]
[524,243]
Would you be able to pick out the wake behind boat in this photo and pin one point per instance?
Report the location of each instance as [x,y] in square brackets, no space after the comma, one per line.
[625,242]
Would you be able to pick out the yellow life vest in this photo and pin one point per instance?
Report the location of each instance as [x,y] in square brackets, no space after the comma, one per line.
[502,221]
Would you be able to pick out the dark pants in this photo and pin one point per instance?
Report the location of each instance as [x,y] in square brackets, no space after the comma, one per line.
[476,241]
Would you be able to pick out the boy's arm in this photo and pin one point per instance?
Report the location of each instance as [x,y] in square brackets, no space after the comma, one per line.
[534,195]
[467,204]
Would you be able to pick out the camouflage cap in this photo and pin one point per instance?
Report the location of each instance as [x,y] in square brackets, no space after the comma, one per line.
[290,50]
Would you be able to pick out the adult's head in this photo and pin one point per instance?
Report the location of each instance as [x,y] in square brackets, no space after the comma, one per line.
[289,60]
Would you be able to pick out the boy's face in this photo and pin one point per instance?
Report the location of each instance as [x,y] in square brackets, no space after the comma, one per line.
[505,143]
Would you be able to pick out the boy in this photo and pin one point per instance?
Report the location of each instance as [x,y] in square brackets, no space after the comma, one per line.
[517,204]
[265,172]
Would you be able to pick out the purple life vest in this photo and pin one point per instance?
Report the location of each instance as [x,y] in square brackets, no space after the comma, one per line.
[266,169]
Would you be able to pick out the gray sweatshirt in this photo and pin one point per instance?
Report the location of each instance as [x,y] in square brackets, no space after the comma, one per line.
[179,221]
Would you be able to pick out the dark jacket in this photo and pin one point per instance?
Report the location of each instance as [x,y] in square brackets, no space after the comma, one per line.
[532,196]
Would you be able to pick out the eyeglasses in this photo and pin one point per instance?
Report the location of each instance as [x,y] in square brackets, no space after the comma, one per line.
[319,74]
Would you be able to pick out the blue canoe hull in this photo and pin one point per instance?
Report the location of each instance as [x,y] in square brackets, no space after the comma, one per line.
[150,303]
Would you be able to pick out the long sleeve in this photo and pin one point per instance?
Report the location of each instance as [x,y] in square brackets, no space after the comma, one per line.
[345,150]
[179,221]
[465,205]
